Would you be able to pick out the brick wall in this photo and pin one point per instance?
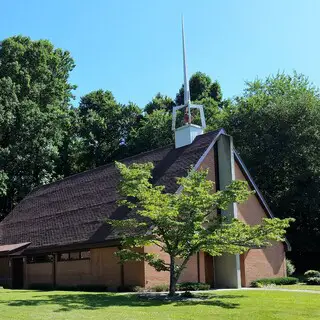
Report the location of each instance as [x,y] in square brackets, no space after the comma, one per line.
[72,273]
[133,272]
[39,273]
[258,263]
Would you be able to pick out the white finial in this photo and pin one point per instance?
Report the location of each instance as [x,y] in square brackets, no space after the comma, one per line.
[186,80]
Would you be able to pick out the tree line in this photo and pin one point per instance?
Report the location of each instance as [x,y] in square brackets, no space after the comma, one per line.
[43,137]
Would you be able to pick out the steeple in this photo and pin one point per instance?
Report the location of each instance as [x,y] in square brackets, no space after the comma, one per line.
[185,134]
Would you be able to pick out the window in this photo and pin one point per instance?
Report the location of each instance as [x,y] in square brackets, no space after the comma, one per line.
[74,255]
[63,256]
[40,258]
[85,254]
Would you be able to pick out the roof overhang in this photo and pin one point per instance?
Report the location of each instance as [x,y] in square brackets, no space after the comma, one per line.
[13,249]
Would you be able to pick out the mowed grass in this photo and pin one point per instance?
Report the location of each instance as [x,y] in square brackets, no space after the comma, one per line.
[301,286]
[242,304]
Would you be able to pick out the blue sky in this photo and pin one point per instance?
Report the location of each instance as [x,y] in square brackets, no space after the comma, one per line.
[133,47]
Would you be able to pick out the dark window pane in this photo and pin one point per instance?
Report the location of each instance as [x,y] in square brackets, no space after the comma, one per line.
[63,256]
[40,258]
[74,255]
[85,254]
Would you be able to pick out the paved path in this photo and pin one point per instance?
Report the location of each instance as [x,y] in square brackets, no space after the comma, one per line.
[241,289]
[283,289]
[263,289]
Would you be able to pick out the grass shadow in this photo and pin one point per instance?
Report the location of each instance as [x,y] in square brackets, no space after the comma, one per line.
[93,301]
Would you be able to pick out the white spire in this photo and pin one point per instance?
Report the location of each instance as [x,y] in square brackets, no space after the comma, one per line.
[186,133]
[185,73]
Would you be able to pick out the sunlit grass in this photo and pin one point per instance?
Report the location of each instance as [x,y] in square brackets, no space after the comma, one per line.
[242,304]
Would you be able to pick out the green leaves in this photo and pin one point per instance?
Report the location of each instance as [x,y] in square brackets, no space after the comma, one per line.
[34,103]
[275,126]
[184,223]
[3,183]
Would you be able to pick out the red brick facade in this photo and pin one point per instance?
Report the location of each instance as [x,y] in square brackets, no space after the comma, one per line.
[258,263]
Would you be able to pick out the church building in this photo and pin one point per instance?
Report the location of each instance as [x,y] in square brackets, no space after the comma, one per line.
[57,235]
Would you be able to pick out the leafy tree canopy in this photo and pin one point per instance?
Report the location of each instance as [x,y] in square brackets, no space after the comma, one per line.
[184,223]
[159,102]
[34,101]
[201,86]
[276,125]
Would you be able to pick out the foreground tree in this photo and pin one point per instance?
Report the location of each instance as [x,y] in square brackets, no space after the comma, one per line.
[185,223]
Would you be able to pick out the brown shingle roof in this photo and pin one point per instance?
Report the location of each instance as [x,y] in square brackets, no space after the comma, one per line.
[72,210]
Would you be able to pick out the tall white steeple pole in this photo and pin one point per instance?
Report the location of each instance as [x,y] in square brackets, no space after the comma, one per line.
[186,133]
[185,73]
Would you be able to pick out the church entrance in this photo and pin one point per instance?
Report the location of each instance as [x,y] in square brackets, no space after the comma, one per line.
[17,273]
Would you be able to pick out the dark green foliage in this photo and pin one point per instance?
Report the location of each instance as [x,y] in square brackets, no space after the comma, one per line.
[130,289]
[187,294]
[275,126]
[160,288]
[159,102]
[277,281]
[313,280]
[34,104]
[312,273]
[192,286]
[40,286]
[312,277]
[201,87]
[84,287]
[154,131]
[183,286]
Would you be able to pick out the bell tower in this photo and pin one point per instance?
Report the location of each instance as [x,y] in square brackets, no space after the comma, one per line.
[186,133]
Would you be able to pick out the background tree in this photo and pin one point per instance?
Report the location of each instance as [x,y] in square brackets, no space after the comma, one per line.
[201,86]
[100,116]
[184,223]
[159,102]
[34,101]
[276,127]
[154,131]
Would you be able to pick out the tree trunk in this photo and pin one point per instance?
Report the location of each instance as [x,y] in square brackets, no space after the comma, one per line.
[173,278]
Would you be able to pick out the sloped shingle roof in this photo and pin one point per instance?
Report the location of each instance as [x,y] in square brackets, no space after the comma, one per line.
[73,210]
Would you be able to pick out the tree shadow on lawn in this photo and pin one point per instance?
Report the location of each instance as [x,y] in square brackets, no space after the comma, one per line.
[89,301]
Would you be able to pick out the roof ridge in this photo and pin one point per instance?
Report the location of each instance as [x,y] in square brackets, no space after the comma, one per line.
[107,165]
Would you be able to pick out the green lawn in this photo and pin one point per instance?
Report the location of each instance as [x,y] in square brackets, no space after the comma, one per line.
[301,286]
[245,304]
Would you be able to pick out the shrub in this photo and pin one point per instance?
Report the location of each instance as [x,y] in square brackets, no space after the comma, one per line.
[187,294]
[290,267]
[160,288]
[85,287]
[277,281]
[40,286]
[313,280]
[192,286]
[130,289]
[312,273]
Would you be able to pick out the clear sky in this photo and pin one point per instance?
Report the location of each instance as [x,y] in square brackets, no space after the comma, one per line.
[133,47]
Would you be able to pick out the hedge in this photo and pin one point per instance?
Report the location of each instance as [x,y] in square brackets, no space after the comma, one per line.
[192,286]
[277,281]
[184,286]
[313,280]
